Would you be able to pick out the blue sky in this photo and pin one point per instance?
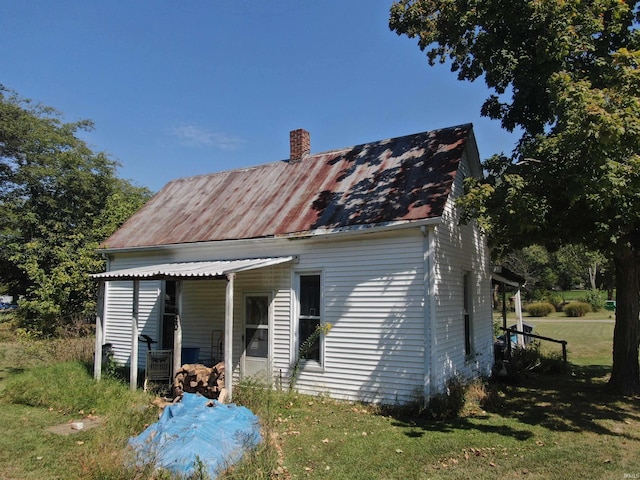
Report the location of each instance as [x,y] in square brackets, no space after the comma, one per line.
[184,88]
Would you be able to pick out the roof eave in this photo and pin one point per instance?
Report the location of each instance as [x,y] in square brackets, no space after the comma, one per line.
[316,233]
[361,229]
[216,269]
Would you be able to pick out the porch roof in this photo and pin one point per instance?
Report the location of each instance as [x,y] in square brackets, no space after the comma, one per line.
[208,269]
[502,274]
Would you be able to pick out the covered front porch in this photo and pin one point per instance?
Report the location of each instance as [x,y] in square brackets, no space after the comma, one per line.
[191,301]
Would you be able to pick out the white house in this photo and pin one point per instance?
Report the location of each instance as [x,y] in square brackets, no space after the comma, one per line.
[243,265]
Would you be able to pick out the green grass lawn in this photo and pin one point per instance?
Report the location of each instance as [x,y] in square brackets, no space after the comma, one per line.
[541,427]
[574,295]
[544,427]
[535,429]
[589,342]
[589,338]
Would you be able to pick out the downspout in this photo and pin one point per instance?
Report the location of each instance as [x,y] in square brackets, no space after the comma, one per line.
[228,337]
[429,282]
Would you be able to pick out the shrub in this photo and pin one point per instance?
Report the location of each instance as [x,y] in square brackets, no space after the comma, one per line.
[526,359]
[305,348]
[548,296]
[594,298]
[553,364]
[540,309]
[479,396]
[495,398]
[577,309]
[448,404]
[556,300]
[497,328]
[538,295]
[531,359]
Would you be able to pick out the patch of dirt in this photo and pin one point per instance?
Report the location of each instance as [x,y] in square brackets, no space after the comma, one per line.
[76,426]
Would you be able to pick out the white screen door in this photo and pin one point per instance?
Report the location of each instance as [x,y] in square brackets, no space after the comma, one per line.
[256,336]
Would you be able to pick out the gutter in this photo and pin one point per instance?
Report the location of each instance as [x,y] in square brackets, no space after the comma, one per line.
[359,229]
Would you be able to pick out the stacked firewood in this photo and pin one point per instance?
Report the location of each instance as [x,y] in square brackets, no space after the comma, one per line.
[197,378]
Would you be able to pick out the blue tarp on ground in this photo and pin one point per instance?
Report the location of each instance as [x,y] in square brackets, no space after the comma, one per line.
[198,429]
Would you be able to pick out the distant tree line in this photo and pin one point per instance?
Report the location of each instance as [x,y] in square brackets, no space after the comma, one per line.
[570,267]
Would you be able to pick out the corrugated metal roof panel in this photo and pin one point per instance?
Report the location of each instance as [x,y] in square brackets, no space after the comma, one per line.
[400,179]
[190,269]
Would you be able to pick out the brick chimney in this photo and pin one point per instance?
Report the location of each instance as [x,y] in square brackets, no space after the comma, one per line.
[300,144]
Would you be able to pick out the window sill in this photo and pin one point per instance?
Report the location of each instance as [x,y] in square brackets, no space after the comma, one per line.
[311,367]
[471,358]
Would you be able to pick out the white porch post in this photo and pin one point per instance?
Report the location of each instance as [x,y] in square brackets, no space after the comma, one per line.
[177,334]
[228,336]
[133,374]
[97,356]
[519,318]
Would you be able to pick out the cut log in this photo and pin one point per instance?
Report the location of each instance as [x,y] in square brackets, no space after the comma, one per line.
[197,378]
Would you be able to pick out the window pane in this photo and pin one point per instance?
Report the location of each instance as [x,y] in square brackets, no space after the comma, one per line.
[467,335]
[257,310]
[307,327]
[257,342]
[465,292]
[310,295]
[467,305]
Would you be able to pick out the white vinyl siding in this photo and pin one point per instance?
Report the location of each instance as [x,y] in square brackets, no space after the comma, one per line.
[202,315]
[460,249]
[119,313]
[373,298]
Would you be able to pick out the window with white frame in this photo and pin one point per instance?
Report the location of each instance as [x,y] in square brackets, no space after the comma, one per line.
[309,316]
[468,314]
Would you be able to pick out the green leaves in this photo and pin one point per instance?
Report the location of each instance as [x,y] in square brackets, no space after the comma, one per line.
[518,46]
[566,73]
[58,201]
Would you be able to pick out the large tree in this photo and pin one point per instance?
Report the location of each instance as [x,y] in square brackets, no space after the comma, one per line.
[58,200]
[576,264]
[533,263]
[565,73]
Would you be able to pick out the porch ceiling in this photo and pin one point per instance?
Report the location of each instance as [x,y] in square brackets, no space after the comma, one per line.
[210,269]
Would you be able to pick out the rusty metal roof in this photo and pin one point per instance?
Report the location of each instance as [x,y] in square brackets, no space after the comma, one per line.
[400,179]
